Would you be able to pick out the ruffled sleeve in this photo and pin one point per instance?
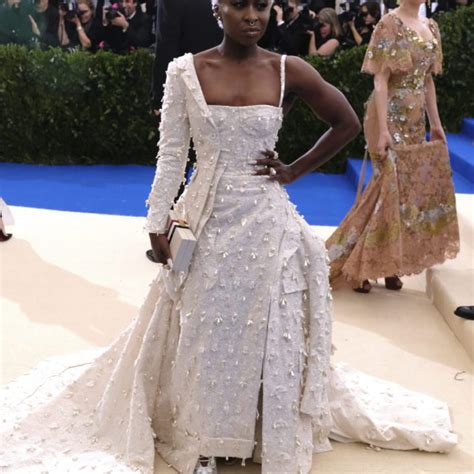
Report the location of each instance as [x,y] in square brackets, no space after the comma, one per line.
[388,48]
[437,66]
[173,148]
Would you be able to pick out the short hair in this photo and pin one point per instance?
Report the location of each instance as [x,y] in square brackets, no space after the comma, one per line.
[214,4]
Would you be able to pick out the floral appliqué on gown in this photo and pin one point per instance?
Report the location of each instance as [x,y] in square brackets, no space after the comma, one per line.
[405,221]
[250,320]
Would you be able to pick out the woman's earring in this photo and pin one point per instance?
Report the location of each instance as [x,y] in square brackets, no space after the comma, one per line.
[216,15]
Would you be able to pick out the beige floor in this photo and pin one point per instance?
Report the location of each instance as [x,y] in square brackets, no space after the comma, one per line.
[72,281]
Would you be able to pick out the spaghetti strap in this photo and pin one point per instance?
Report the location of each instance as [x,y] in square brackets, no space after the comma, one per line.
[282,79]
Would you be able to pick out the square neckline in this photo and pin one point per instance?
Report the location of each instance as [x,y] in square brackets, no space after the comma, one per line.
[203,98]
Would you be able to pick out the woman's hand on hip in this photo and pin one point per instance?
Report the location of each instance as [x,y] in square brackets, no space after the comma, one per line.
[272,167]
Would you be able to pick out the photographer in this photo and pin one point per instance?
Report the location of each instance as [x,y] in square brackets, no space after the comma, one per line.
[126,27]
[76,24]
[46,17]
[325,38]
[87,25]
[361,27]
[17,25]
[293,22]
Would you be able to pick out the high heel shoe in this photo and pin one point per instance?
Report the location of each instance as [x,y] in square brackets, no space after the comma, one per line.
[206,465]
[364,288]
[393,283]
[4,237]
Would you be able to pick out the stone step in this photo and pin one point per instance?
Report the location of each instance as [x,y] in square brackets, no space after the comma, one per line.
[450,288]
[452,284]
[462,184]
[461,152]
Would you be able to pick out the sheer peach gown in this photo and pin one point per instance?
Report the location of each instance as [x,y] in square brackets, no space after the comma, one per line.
[405,221]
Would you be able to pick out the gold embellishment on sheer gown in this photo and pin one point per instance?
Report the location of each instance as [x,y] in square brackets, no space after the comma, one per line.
[406,219]
[399,49]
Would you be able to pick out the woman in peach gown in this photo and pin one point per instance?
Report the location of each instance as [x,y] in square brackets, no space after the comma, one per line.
[405,221]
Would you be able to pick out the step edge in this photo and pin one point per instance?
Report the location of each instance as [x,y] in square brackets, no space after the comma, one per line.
[442,300]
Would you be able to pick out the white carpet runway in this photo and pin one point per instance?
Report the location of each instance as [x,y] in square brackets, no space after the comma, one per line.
[72,281]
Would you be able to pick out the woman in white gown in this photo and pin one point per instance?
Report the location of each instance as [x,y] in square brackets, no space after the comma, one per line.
[231,358]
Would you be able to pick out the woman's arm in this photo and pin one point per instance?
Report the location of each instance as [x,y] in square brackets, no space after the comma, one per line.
[329,47]
[326,49]
[173,150]
[312,49]
[436,129]
[357,37]
[381,98]
[62,33]
[83,38]
[330,105]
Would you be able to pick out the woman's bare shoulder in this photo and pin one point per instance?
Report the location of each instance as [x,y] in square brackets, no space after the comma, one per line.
[390,20]
[295,66]
[301,75]
[204,57]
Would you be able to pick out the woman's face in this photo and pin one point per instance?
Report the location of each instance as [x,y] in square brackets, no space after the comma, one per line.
[368,18]
[86,12]
[325,30]
[293,6]
[245,21]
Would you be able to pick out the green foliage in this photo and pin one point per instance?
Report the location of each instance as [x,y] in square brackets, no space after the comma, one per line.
[455,86]
[58,108]
[64,108]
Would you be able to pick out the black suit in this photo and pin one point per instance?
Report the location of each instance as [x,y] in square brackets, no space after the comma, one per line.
[183,26]
[293,38]
[138,34]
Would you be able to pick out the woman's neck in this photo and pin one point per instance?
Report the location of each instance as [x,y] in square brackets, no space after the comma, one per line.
[409,10]
[235,51]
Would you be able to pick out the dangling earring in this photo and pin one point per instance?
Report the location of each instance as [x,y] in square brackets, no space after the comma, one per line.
[215,12]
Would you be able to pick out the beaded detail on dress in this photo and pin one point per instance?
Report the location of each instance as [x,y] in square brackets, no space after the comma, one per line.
[253,312]
[409,58]
[406,220]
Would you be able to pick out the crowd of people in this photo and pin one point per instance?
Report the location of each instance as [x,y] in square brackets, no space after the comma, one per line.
[78,24]
[321,27]
[297,27]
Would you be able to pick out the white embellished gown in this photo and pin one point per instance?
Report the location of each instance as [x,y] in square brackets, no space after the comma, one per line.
[250,319]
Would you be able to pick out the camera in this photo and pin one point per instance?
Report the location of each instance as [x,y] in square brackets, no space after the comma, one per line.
[112,11]
[283,4]
[70,7]
[350,11]
[309,23]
